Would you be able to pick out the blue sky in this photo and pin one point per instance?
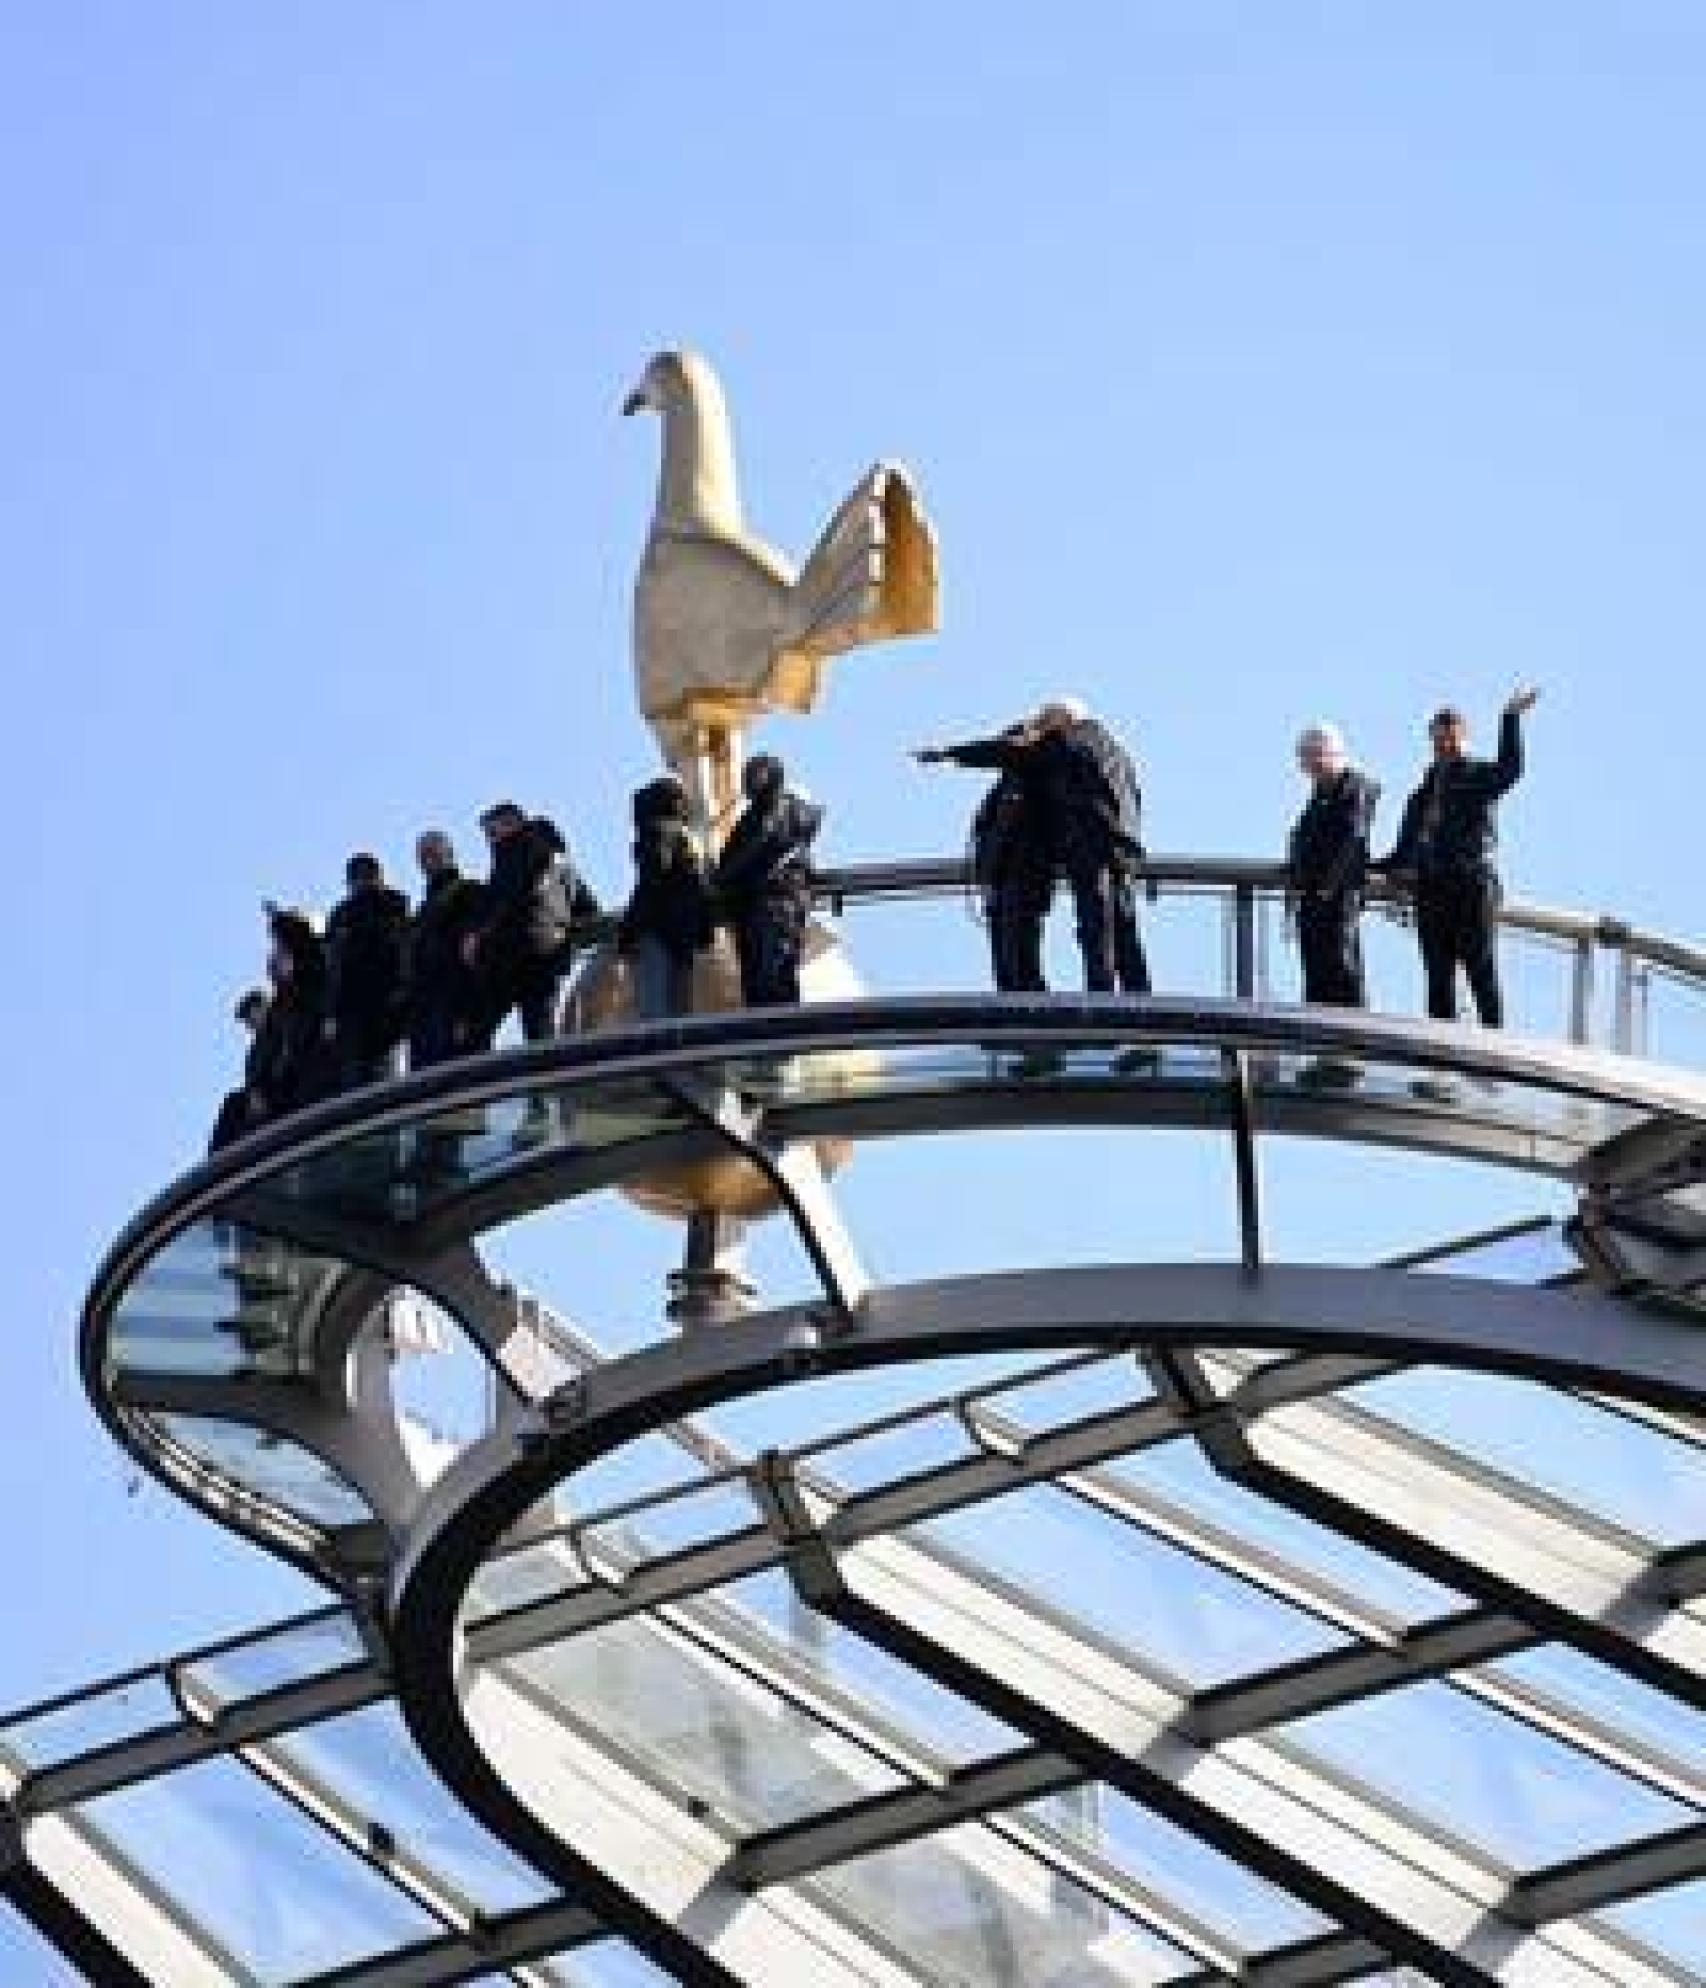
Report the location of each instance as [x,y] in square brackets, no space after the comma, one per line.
[1256,362]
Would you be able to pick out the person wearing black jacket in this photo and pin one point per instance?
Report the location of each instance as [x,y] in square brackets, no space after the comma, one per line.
[667,922]
[443,995]
[1326,869]
[520,945]
[291,1063]
[241,1110]
[1446,855]
[763,882]
[1010,858]
[1093,807]
[365,938]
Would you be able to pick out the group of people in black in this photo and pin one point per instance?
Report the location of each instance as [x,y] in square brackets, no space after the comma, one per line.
[442,976]
[1066,807]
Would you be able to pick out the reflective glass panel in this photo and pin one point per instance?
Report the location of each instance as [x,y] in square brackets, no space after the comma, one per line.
[368,1762]
[1178,1472]
[1534,1256]
[1180,1867]
[103,1718]
[611,1964]
[634,1470]
[970,1906]
[221,1299]
[623,1539]
[1072,1393]
[1423,1106]
[26,1958]
[272,1467]
[1151,1598]
[526,1574]
[275,1891]
[401,1173]
[1672,1922]
[269,1663]
[1601,1693]
[1484,1776]
[895,1695]
[1648,1483]
[907,1449]
[702,1726]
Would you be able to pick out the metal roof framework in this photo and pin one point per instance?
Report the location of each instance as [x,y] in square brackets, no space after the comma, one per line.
[791,1715]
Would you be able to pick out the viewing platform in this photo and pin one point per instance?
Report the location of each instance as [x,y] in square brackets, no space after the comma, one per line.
[1158,1641]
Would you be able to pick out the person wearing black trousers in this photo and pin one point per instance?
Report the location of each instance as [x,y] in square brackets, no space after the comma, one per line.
[365,938]
[1326,869]
[763,883]
[532,899]
[667,922]
[443,991]
[1011,864]
[1446,856]
[241,1110]
[1081,822]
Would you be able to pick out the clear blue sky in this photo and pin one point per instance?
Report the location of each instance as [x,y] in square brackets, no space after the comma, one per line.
[1256,362]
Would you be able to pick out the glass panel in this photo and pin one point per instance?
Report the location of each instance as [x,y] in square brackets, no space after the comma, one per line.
[369,1763]
[269,1663]
[969,1906]
[1074,1393]
[525,1574]
[609,1964]
[1534,1257]
[702,1727]
[624,1539]
[1178,1472]
[1674,1009]
[1648,1483]
[272,1467]
[104,1718]
[909,1449]
[1428,1106]
[1604,1695]
[811,1411]
[635,1470]
[26,1957]
[275,1891]
[1672,1922]
[1152,1599]
[402,1173]
[1483,1776]
[1179,1867]
[783,1630]
[221,1299]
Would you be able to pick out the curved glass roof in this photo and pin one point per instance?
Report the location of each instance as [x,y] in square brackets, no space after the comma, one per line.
[1176,1624]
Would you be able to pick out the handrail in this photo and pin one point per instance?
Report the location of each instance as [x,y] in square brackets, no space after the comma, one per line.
[930,876]
[1249,885]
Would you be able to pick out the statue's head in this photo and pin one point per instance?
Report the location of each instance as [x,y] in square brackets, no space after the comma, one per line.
[670,379]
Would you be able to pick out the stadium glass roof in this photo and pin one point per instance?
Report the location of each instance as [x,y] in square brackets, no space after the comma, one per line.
[1151,1623]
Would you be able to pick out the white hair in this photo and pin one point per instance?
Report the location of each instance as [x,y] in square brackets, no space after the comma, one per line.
[1064,711]
[1327,737]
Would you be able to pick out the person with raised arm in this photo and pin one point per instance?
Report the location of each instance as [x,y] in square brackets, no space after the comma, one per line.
[1446,858]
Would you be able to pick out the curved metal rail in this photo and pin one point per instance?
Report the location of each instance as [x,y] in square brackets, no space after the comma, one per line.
[479,1598]
[231,1339]
[722,1914]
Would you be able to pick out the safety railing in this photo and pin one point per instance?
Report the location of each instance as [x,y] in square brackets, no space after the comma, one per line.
[1588,979]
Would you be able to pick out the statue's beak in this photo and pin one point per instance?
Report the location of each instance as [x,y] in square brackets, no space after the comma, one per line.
[635,401]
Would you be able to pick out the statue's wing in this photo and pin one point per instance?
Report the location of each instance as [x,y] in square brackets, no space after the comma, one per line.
[871,577]
[708,614]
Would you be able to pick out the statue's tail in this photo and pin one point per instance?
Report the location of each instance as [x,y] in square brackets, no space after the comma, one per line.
[871,577]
